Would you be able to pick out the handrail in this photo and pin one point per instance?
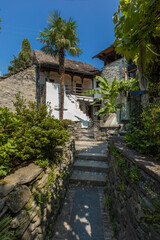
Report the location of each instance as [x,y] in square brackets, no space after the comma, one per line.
[77,90]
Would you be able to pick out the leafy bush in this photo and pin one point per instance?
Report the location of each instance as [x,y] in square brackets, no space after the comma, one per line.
[67,123]
[143,132]
[110,93]
[29,134]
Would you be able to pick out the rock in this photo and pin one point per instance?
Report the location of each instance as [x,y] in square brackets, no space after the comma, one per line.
[4,210]
[1,204]
[35,223]
[15,223]
[27,235]
[22,195]
[42,181]
[22,229]
[20,219]
[24,175]
[5,188]
[33,212]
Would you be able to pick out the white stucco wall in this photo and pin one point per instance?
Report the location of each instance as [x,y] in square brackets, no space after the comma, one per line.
[71,105]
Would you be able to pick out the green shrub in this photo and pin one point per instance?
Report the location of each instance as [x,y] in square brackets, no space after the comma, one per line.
[30,134]
[143,132]
[67,123]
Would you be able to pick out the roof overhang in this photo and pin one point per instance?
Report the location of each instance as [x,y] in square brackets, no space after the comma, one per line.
[104,53]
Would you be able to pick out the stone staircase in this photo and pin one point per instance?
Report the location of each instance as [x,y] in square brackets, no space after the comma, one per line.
[90,169]
[89,135]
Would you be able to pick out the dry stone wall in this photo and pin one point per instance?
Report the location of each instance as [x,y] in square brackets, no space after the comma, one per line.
[133,193]
[114,70]
[23,81]
[31,197]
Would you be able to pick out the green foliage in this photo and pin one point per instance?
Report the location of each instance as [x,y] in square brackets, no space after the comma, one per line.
[108,202]
[152,216]
[60,34]
[24,57]
[135,174]
[143,131]
[110,93]
[120,162]
[5,232]
[30,134]
[58,39]
[132,173]
[67,123]
[137,25]
[122,187]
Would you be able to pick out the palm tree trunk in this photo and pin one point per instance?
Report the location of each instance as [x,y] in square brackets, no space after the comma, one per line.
[62,74]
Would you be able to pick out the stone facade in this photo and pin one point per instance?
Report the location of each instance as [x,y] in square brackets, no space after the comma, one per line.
[23,81]
[133,193]
[114,70]
[31,197]
[110,71]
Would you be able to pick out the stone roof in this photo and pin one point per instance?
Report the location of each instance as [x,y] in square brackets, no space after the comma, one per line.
[7,75]
[48,60]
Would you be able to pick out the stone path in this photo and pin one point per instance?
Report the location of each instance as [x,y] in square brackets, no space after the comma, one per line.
[83,216]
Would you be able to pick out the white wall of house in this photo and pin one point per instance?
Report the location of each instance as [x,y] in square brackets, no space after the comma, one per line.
[71,104]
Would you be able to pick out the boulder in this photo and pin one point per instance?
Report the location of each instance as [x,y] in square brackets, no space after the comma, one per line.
[20,219]
[18,198]
[5,188]
[24,175]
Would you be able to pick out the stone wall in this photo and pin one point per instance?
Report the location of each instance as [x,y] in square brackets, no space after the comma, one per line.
[31,197]
[133,193]
[114,70]
[23,81]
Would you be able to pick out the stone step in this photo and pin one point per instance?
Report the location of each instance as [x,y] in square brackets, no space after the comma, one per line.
[90,178]
[89,165]
[92,156]
[86,139]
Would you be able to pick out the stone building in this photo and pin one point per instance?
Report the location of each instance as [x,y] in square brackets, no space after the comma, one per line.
[40,82]
[116,67]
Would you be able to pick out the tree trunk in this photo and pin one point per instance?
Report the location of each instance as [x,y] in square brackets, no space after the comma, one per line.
[62,74]
[143,81]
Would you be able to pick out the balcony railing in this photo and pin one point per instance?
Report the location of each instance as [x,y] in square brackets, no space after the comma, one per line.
[77,90]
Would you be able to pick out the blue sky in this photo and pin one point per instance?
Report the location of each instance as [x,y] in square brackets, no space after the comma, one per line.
[26,18]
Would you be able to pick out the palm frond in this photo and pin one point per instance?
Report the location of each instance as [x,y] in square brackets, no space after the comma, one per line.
[60,34]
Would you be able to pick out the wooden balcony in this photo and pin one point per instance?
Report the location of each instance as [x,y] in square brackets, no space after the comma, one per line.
[77,91]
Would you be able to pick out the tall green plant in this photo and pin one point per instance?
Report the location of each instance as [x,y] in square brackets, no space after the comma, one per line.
[143,131]
[24,57]
[137,25]
[110,92]
[60,38]
[29,134]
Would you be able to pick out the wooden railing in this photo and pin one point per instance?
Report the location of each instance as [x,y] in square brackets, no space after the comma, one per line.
[77,90]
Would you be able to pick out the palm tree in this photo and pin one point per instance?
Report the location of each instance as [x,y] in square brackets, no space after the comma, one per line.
[60,38]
